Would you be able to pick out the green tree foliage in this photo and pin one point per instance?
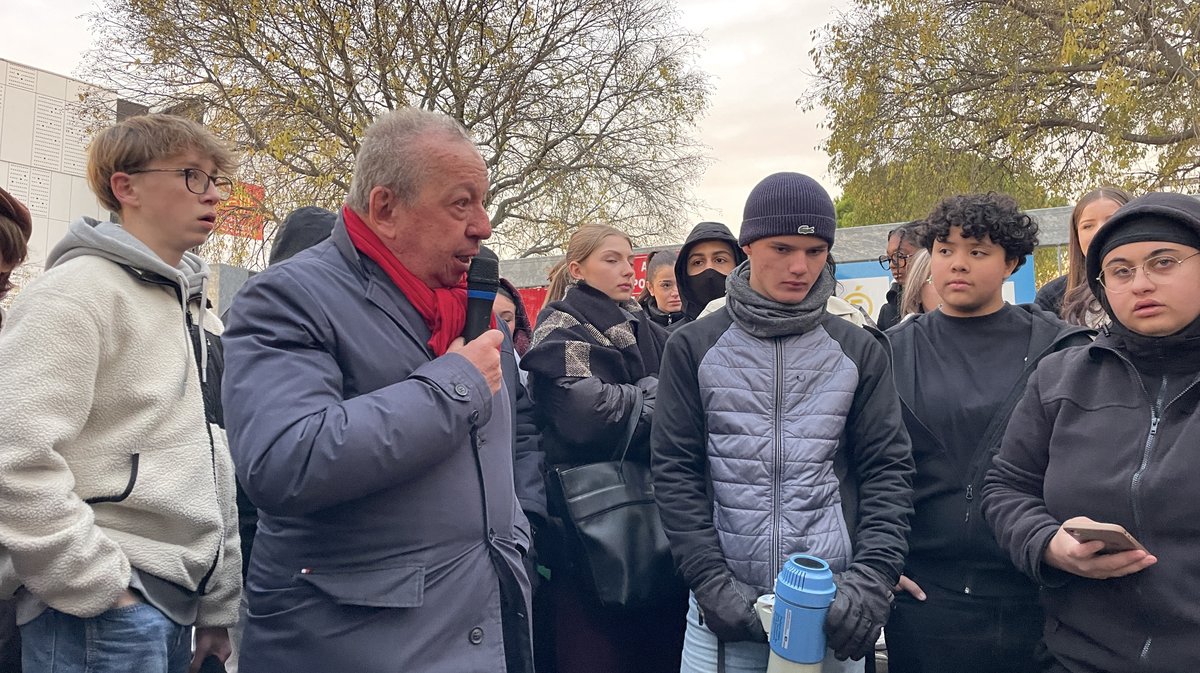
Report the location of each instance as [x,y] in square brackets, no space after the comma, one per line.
[583,109]
[1063,94]
[901,192]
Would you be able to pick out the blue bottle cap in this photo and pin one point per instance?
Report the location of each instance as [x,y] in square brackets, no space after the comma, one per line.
[805,581]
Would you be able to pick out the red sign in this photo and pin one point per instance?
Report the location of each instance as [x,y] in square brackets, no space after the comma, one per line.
[533,298]
[241,214]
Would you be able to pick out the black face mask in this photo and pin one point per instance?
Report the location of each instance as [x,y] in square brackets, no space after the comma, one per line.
[706,286]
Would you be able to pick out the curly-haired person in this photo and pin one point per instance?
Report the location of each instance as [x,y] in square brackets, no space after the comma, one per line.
[961,604]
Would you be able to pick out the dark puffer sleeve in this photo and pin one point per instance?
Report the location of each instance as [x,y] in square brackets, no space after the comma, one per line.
[680,464]
[586,415]
[879,452]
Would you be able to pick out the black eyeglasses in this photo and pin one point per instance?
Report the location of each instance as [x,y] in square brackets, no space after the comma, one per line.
[197,181]
[897,258]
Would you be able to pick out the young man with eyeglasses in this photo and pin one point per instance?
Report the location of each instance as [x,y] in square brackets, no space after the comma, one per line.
[902,244]
[959,370]
[120,533]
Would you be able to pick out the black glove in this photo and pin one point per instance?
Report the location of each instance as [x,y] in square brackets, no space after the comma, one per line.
[727,609]
[858,613]
[649,388]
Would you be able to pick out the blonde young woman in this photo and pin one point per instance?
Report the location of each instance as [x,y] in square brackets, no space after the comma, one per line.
[594,361]
[919,295]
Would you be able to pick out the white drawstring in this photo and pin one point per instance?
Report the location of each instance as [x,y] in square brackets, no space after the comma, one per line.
[203,337]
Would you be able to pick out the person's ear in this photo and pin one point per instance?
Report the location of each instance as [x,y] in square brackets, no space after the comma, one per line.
[123,189]
[745,249]
[1012,266]
[383,211]
[575,269]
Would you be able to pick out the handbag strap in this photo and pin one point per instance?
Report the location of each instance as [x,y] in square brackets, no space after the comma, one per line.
[635,415]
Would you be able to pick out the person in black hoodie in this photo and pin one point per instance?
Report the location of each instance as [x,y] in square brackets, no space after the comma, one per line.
[901,246]
[706,259]
[660,298]
[1108,433]
[959,370]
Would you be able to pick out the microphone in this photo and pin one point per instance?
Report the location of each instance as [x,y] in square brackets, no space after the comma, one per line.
[483,280]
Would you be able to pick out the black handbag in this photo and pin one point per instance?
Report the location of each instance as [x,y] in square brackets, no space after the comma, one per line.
[612,527]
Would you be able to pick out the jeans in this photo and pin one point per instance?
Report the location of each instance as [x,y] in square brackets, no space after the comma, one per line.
[132,638]
[700,652]
[953,631]
[235,636]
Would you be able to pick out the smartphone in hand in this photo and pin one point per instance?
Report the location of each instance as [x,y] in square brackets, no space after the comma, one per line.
[1114,536]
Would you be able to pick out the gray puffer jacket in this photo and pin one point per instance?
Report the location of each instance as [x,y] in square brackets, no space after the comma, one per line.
[770,447]
[776,411]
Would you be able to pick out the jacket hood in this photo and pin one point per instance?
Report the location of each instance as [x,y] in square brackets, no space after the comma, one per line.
[111,241]
[301,230]
[705,231]
[523,334]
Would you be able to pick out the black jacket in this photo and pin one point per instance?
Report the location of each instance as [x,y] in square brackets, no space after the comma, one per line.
[650,306]
[1089,439]
[705,231]
[528,458]
[1050,297]
[889,313]
[950,545]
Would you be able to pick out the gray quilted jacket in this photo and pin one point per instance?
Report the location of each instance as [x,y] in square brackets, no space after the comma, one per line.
[764,448]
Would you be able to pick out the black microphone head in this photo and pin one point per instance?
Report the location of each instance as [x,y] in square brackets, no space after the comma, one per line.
[484,274]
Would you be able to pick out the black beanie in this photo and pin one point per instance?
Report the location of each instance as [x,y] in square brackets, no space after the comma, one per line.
[786,204]
[1157,216]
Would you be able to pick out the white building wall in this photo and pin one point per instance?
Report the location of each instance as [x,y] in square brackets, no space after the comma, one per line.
[43,153]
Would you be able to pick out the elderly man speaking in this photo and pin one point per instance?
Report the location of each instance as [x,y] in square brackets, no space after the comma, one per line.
[377,445]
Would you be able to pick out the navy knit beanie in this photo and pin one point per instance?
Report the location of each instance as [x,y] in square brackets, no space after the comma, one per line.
[786,204]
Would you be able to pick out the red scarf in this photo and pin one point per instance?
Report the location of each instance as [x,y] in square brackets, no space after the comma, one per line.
[444,310]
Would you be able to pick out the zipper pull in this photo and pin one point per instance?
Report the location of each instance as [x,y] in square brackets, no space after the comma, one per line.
[1154,426]
[970,492]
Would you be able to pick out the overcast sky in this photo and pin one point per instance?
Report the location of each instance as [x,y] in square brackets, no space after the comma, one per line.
[755,50]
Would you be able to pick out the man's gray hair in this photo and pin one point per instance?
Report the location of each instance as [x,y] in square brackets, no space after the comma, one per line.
[390,157]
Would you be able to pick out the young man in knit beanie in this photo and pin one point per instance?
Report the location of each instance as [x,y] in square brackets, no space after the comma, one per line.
[960,370]
[778,431]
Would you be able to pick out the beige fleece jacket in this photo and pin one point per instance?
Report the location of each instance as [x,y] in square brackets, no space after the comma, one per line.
[102,403]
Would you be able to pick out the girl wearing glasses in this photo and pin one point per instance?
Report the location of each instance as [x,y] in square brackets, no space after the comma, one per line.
[1108,433]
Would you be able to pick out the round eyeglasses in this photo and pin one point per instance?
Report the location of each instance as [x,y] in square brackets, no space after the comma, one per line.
[1159,269]
[197,181]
